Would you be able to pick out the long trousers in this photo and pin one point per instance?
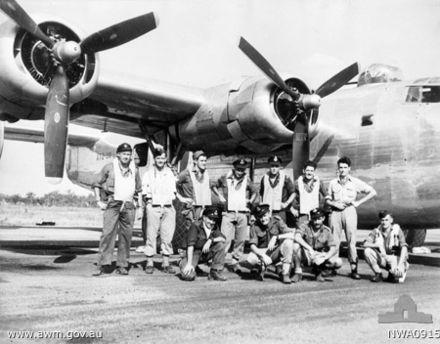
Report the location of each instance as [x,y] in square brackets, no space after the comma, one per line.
[118,220]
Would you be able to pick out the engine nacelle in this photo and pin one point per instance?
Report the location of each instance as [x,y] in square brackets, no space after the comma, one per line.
[249,116]
[26,68]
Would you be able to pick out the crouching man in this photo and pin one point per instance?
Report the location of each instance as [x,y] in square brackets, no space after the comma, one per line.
[385,247]
[315,246]
[271,241]
[204,242]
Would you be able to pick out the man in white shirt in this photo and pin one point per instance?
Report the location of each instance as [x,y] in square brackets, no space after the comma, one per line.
[342,198]
[159,191]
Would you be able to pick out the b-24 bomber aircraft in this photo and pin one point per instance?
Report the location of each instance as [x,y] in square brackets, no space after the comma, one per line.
[389,128]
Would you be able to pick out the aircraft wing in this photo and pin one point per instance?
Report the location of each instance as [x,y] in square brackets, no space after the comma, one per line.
[16,133]
[123,105]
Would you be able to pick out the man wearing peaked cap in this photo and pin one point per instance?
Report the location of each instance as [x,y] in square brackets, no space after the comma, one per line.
[240,163]
[276,189]
[124,147]
[204,242]
[271,241]
[194,190]
[315,246]
[237,192]
[117,186]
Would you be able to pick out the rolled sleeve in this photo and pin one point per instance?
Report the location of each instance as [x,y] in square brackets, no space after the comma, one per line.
[102,177]
[253,239]
[192,235]
[402,240]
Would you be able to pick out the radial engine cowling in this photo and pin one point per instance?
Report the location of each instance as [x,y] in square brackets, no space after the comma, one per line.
[27,67]
[249,116]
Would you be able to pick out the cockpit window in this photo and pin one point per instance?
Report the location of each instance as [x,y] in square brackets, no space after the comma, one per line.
[423,94]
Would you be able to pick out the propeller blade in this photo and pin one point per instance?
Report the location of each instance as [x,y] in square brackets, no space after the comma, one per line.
[338,80]
[300,145]
[265,66]
[119,34]
[19,15]
[55,125]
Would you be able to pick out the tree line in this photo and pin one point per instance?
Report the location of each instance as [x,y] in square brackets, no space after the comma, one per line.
[51,199]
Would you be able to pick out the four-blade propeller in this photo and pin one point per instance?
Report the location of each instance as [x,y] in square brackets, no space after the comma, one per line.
[302,102]
[65,53]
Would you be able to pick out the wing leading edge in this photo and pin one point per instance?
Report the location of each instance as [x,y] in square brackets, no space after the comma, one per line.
[136,107]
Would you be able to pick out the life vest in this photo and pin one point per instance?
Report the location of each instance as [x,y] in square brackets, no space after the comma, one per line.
[125,186]
[236,193]
[273,195]
[202,191]
[308,200]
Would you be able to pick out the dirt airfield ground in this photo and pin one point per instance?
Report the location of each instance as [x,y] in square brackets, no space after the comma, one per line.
[57,293]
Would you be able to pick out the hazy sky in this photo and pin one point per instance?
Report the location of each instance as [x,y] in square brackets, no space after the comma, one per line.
[196,44]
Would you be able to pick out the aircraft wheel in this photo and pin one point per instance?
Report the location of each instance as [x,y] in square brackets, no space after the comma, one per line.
[415,237]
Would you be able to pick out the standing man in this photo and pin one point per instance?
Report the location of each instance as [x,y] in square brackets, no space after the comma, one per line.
[276,189]
[385,247]
[237,193]
[115,190]
[205,242]
[271,241]
[314,246]
[193,187]
[159,190]
[341,197]
[308,190]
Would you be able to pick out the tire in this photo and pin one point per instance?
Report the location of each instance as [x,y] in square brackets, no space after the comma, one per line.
[415,237]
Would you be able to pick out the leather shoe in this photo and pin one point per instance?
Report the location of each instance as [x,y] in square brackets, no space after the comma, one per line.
[355,275]
[200,272]
[297,278]
[286,279]
[320,278]
[233,268]
[329,273]
[98,272]
[122,271]
[377,278]
[149,269]
[391,278]
[168,270]
[216,275]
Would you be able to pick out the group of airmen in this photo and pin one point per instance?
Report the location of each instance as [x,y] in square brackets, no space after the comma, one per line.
[286,229]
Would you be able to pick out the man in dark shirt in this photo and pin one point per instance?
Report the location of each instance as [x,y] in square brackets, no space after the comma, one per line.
[271,241]
[194,187]
[205,241]
[236,191]
[315,246]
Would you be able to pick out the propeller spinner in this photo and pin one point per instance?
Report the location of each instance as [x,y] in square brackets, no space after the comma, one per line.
[301,102]
[62,54]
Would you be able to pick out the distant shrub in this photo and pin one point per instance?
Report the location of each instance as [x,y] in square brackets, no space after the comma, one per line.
[52,199]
